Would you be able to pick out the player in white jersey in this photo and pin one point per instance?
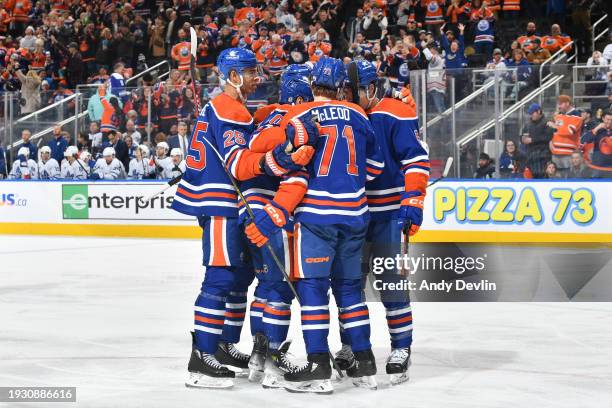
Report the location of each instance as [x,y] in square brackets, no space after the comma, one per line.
[23,168]
[162,161]
[178,164]
[108,167]
[48,167]
[140,166]
[72,168]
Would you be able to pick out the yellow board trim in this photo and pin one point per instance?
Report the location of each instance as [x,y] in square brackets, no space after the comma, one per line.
[194,232]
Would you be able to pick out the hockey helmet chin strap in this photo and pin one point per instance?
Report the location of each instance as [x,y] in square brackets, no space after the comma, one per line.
[353,74]
[236,86]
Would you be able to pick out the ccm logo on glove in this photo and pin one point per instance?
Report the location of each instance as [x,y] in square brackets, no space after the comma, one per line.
[275,215]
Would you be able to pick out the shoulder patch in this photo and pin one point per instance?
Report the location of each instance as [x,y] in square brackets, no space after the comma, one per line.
[230,110]
[395,108]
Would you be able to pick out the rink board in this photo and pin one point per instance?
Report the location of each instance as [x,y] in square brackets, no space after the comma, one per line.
[455,211]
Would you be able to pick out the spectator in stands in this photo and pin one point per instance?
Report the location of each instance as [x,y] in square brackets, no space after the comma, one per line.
[599,141]
[607,52]
[95,137]
[484,30]
[26,135]
[486,168]
[30,91]
[518,78]
[588,121]
[551,171]
[319,47]
[181,139]
[112,114]
[536,139]
[536,54]
[132,132]
[75,67]
[374,24]
[454,57]
[511,161]
[526,40]
[117,82]
[578,169]
[436,78]
[597,59]
[567,125]
[58,144]
[556,40]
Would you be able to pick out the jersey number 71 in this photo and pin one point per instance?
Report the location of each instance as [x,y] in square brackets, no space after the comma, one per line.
[331,131]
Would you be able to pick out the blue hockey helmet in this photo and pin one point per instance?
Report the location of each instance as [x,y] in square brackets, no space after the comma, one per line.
[295,83]
[329,73]
[366,72]
[235,59]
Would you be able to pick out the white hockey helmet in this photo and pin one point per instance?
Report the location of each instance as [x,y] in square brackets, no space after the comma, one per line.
[144,150]
[23,151]
[71,151]
[176,152]
[85,156]
[163,145]
[45,149]
[108,151]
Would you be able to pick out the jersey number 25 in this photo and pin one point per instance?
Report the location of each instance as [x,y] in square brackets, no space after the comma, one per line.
[198,161]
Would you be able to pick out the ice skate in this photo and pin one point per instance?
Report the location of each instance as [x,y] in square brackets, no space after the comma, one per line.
[313,377]
[206,372]
[277,365]
[397,365]
[344,358]
[363,370]
[238,362]
[258,357]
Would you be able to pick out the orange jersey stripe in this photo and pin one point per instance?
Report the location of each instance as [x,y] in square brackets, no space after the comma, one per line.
[334,203]
[232,314]
[384,200]
[257,304]
[218,255]
[207,194]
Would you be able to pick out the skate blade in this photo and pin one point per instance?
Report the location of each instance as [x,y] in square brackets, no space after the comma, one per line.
[239,372]
[368,381]
[197,380]
[255,375]
[399,378]
[337,379]
[271,381]
[315,386]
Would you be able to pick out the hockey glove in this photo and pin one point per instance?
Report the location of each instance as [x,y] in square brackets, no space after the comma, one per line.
[405,95]
[280,160]
[411,210]
[95,176]
[302,131]
[266,223]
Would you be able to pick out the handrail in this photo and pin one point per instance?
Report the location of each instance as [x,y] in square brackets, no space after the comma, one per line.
[576,80]
[43,132]
[598,36]
[46,108]
[461,103]
[552,57]
[148,70]
[491,123]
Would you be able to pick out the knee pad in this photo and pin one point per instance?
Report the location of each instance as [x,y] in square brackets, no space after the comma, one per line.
[218,281]
[280,292]
[313,291]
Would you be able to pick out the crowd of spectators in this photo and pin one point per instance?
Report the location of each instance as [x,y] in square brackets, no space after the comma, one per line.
[47,48]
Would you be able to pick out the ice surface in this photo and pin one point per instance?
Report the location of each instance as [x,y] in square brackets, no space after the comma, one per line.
[112,317]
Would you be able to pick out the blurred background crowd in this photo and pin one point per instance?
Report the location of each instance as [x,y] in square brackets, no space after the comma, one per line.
[121,67]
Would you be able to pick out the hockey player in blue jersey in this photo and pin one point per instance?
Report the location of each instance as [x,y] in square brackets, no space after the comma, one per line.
[270,311]
[331,225]
[395,199]
[223,127]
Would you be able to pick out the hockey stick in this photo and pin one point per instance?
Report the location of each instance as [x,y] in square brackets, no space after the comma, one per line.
[171,183]
[192,72]
[447,166]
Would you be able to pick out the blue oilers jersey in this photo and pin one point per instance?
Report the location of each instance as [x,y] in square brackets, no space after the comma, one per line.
[260,190]
[406,157]
[205,188]
[346,155]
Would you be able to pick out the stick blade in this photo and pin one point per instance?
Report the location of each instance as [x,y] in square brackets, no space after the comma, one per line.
[447,167]
[194,41]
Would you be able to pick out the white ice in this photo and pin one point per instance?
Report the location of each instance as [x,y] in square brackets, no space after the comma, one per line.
[112,317]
